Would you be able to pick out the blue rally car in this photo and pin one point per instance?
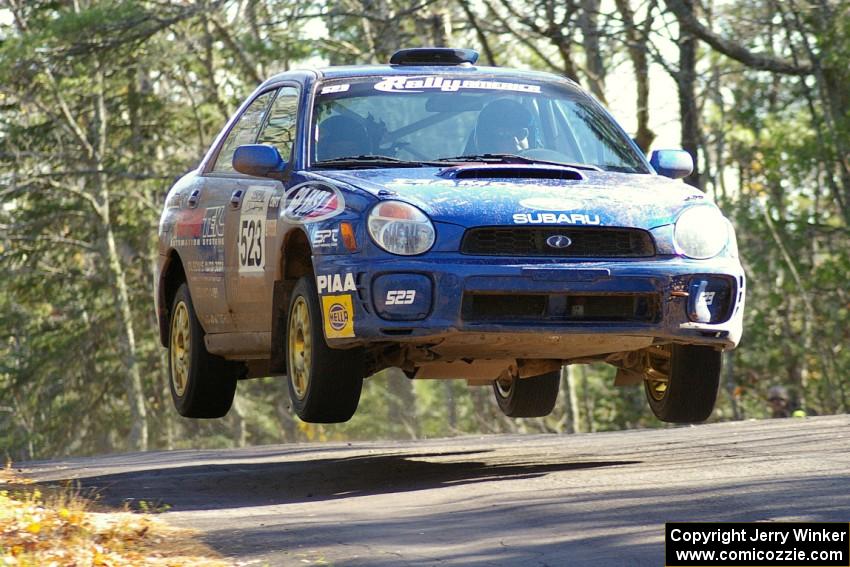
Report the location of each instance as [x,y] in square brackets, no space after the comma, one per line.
[452,220]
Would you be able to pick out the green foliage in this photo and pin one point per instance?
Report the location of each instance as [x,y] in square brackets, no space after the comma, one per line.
[163,78]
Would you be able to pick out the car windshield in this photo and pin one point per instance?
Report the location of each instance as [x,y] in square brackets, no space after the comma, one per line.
[410,120]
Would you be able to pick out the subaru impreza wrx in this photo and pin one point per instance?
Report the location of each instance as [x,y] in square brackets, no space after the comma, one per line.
[452,220]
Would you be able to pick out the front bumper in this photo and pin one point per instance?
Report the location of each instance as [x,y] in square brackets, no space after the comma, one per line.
[582,300]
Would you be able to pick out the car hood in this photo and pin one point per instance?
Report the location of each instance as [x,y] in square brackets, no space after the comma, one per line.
[487,195]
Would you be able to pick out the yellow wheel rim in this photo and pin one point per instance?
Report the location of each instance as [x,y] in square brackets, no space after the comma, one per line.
[180,348]
[658,371]
[300,345]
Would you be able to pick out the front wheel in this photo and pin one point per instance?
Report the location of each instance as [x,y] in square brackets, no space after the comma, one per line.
[528,397]
[202,385]
[324,383]
[681,382]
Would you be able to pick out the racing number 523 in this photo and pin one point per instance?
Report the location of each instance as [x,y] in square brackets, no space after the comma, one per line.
[251,243]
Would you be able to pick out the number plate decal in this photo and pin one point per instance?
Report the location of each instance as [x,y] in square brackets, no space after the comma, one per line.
[252,230]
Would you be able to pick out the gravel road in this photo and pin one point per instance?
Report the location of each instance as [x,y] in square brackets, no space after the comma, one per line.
[590,499]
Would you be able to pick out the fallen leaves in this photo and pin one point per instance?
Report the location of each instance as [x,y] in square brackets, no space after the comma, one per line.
[61,530]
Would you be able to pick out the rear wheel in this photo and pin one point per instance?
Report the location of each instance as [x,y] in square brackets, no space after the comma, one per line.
[528,397]
[682,382]
[324,383]
[202,385]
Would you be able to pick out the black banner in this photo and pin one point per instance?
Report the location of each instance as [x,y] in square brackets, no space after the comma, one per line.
[764,544]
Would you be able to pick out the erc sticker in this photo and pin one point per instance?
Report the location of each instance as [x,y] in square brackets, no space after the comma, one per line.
[339,316]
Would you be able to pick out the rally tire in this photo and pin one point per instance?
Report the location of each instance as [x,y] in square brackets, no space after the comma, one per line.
[324,383]
[202,385]
[528,397]
[691,390]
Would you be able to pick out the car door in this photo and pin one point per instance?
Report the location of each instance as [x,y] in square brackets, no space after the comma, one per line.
[253,212]
[216,189]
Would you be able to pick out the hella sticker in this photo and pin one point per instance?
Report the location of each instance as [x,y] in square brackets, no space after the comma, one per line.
[553,218]
[338,316]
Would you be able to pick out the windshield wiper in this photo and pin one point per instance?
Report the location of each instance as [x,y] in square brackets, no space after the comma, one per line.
[372,161]
[514,158]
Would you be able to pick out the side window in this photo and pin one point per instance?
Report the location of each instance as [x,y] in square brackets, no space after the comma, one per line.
[243,132]
[280,127]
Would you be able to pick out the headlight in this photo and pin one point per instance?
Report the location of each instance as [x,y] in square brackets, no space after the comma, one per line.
[732,247]
[701,232]
[400,228]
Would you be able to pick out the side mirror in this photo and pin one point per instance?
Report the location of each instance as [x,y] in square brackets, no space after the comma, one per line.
[258,160]
[674,164]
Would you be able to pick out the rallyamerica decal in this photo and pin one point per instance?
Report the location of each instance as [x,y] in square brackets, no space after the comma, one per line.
[312,201]
[420,84]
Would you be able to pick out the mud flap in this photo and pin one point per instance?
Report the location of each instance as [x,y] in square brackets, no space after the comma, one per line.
[280,301]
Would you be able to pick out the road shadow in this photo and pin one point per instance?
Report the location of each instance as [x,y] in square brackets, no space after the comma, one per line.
[609,527]
[241,484]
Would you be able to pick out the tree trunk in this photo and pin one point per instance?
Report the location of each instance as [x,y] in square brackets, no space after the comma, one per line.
[586,399]
[380,29]
[688,108]
[239,429]
[401,403]
[489,56]
[636,42]
[451,404]
[288,425]
[594,65]
[572,413]
[441,27]
[731,386]
[138,439]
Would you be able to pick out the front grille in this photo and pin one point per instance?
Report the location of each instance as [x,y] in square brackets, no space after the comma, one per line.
[584,242]
[561,308]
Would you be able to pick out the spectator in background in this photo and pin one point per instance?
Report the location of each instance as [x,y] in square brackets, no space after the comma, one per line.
[781,404]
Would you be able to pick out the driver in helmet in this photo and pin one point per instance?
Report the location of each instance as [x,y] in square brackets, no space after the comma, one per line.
[502,128]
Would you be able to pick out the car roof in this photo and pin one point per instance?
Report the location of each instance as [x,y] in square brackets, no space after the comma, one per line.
[357,71]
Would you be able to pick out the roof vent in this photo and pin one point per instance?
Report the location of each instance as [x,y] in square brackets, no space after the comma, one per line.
[434,56]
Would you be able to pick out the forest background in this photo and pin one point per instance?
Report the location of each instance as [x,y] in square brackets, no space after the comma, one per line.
[104,103]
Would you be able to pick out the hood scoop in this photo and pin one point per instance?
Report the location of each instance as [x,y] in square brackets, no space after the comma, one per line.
[511,171]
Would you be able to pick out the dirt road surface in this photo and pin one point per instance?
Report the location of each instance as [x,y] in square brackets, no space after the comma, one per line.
[599,499]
